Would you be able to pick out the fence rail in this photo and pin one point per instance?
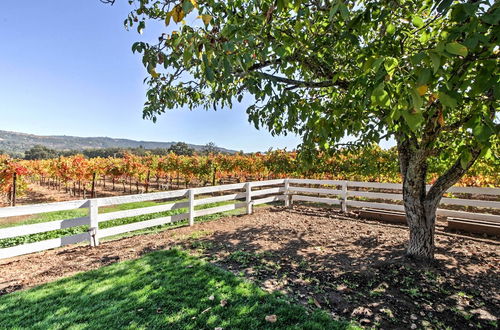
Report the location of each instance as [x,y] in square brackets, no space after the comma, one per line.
[333,192]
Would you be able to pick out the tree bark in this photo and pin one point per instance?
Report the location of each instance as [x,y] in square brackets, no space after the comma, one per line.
[421,203]
[420,218]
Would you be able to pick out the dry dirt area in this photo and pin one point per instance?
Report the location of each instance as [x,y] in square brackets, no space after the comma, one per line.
[350,267]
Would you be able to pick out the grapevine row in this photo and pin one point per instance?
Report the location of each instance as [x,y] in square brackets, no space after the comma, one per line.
[78,175]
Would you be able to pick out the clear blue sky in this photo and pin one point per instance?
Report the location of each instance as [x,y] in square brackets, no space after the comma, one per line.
[66,68]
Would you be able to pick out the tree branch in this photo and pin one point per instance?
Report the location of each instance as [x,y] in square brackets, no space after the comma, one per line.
[457,124]
[304,84]
[448,179]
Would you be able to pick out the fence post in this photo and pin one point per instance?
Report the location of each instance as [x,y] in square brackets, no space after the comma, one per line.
[287,196]
[344,196]
[191,206]
[14,188]
[94,224]
[248,197]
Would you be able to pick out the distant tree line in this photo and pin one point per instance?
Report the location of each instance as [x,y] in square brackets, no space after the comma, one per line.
[179,148]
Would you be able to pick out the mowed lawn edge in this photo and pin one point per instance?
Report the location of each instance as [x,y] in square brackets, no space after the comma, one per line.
[163,289]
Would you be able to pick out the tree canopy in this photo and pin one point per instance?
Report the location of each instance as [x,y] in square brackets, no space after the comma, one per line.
[423,72]
[369,69]
[181,148]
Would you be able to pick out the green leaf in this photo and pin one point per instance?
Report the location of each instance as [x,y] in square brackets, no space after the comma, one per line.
[416,99]
[417,21]
[376,64]
[424,76]
[187,55]
[137,47]
[456,49]
[227,66]
[380,96]
[187,6]
[482,132]
[390,65]
[209,74]
[424,37]
[344,11]
[436,62]
[447,100]
[492,18]
[413,119]
[417,58]
[444,6]
[391,29]
[465,158]
[334,10]
[141,26]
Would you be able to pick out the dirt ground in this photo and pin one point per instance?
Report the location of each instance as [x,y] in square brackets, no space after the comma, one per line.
[352,268]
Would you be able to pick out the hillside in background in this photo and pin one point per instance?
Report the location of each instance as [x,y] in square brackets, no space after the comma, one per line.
[17,143]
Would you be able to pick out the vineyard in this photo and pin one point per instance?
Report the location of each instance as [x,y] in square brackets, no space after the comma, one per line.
[78,176]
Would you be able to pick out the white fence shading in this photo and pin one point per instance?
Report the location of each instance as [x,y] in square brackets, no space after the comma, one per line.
[244,195]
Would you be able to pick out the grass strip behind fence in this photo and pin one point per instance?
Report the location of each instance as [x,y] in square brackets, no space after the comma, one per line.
[164,289]
[59,215]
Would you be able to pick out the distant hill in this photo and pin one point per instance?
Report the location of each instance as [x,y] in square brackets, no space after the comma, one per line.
[17,143]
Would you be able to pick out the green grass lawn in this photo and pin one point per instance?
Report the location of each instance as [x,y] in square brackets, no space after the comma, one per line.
[165,289]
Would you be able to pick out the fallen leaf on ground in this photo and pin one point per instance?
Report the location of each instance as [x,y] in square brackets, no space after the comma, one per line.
[271,318]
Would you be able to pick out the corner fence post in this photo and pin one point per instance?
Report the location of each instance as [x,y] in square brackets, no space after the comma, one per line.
[248,197]
[94,222]
[191,206]
[344,196]
[287,196]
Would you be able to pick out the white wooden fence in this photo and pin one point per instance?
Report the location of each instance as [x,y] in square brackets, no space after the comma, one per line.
[339,193]
[245,195]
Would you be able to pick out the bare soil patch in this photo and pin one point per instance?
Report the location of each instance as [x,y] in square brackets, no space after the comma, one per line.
[350,267]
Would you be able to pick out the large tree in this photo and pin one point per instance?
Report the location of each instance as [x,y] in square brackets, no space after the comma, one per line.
[423,72]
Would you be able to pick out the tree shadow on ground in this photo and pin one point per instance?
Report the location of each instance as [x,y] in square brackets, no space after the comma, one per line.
[350,267]
[358,269]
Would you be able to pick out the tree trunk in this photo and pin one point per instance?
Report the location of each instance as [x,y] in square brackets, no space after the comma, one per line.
[421,219]
[420,213]
[421,203]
